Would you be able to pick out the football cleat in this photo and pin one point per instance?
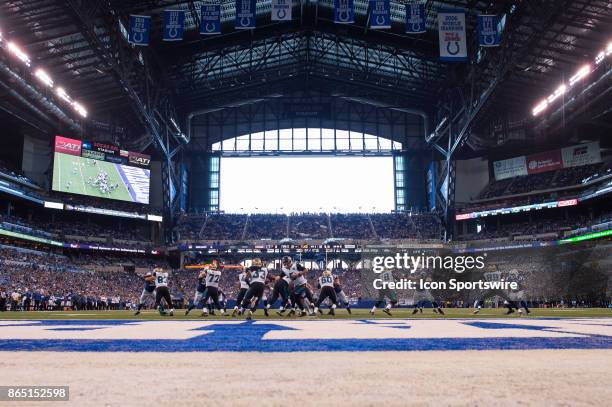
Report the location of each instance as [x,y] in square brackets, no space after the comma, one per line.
[234,312]
[249,315]
[386,311]
[414,311]
[266,313]
[349,310]
[435,311]
[137,313]
[476,311]
[171,313]
[440,311]
[331,312]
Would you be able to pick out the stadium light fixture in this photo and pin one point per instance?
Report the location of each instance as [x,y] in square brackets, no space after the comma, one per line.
[609,49]
[62,94]
[15,50]
[540,107]
[79,109]
[582,72]
[558,92]
[44,77]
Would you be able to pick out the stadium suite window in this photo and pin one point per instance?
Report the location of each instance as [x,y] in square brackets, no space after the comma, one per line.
[314,139]
[271,140]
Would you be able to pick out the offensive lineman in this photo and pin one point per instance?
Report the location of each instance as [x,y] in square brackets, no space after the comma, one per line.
[161,290]
[258,276]
[326,284]
[212,288]
[300,289]
[148,292]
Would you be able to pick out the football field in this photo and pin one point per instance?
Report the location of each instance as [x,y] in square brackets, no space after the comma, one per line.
[72,173]
[553,357]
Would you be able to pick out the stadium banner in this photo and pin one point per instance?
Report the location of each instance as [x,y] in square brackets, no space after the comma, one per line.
[344,11]
[66,145]
[139,30]
[105,148]
[142,160]
[488,35]
[210,18]
[512,167]
[174,23]
[415,17]
[517,209]
[245,14]
[281,10]
[451,34]
[581,154]
[542,162]
[380,14]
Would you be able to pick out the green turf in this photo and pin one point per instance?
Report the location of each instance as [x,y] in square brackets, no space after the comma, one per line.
[340,314]
[63,166]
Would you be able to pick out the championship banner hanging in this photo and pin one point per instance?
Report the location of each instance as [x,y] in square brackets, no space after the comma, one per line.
[139,30]
[210,18]
[344,11]
[281,10]
[380,14]
[245,14]
[174,21]
[451,34]
[415,17]
[488,36]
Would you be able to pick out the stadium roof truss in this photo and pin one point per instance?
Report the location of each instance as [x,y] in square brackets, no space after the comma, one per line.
[145,97]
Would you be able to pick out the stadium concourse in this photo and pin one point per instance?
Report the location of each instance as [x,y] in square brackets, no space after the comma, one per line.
[266,203]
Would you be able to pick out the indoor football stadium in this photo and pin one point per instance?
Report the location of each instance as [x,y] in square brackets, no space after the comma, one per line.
[281,202]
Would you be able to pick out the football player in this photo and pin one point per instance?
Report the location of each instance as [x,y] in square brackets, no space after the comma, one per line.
[257,275]
[300,291]
[340,295]
[281,288]
[213,275]
[326,284]
[161,290]
[243,283]
[148,292]
[200,291]
[387,277]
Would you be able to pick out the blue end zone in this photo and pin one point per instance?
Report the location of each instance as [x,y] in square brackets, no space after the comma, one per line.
[248,337]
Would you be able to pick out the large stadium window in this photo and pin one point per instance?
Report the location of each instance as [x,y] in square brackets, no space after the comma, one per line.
[307,140]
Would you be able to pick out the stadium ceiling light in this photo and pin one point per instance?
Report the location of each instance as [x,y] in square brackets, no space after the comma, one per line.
[62,94]
[15,50]
[582,72]
[79,109]
[558,92]
[44,77]
[540,107]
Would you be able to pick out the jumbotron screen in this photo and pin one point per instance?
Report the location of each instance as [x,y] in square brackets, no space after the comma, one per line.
[100,170]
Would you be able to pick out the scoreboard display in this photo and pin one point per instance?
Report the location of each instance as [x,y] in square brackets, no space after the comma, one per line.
[100,170]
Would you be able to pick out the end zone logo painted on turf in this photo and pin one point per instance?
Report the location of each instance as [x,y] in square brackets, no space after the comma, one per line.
[305,335]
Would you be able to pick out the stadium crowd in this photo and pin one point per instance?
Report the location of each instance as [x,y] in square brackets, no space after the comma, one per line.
[355,226]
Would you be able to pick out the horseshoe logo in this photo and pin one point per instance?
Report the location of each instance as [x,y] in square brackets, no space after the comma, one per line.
[380,19]
[209,27]
[456,49]
[488,39]
[172,32]
[138,37]
[416,27]
[245,22]
[281,14]
[343,15]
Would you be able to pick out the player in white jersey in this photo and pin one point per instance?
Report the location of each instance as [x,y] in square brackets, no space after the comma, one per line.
[326,284]
[300,292]
[386,277]
[161,290]
[213,275]
[258,276]
[243,283]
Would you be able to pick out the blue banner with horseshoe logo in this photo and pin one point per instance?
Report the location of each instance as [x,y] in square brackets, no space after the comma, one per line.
[210,18]
[380,14]
[488,35]
[415,17]
[174,21]
[344,11]
[139,30]
[245,14]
